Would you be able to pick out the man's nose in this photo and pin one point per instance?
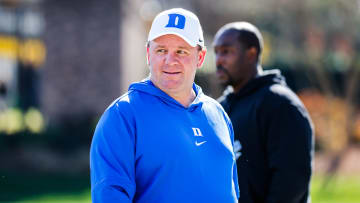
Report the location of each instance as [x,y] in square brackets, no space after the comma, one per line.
[218,59]
[171,59]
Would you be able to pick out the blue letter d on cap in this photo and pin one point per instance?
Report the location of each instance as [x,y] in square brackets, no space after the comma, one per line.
[176,20]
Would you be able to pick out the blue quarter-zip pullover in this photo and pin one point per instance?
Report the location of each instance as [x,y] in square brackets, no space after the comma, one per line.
[148,148]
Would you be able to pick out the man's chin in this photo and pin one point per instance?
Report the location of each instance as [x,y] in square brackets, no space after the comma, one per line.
[223,83]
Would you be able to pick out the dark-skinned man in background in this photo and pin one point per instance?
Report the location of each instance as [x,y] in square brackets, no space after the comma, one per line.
[272,127]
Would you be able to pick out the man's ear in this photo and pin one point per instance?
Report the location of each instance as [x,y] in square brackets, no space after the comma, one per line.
[201,57]
[251,54]
[147,55]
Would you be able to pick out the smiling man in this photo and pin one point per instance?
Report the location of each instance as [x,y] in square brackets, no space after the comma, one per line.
[164,140]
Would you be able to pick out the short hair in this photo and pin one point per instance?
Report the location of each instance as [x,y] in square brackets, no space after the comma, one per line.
[249,39]
[248,35]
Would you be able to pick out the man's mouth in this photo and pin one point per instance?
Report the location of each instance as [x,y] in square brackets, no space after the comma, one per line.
[221,72]
[220,68]
[171,73]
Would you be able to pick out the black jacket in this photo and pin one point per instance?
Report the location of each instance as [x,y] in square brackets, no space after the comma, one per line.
[276,135]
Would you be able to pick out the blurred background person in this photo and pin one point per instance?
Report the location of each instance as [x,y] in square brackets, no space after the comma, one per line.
[271,123]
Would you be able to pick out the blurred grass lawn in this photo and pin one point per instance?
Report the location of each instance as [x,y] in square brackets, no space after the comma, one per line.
[340,189]
[66,189]
[41,188]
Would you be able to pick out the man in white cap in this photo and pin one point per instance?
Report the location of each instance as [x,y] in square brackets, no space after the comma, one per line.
[165,140]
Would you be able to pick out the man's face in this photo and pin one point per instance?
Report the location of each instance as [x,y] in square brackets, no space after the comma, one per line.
[173,63]
[232,66]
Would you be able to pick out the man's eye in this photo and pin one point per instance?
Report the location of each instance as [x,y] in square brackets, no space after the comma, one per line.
[224,51]
[160,51]
[182,52]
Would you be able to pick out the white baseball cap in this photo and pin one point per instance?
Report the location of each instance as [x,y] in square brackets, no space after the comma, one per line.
[180,22]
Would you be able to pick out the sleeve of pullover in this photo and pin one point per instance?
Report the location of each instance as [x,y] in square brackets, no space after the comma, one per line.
[112,156]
